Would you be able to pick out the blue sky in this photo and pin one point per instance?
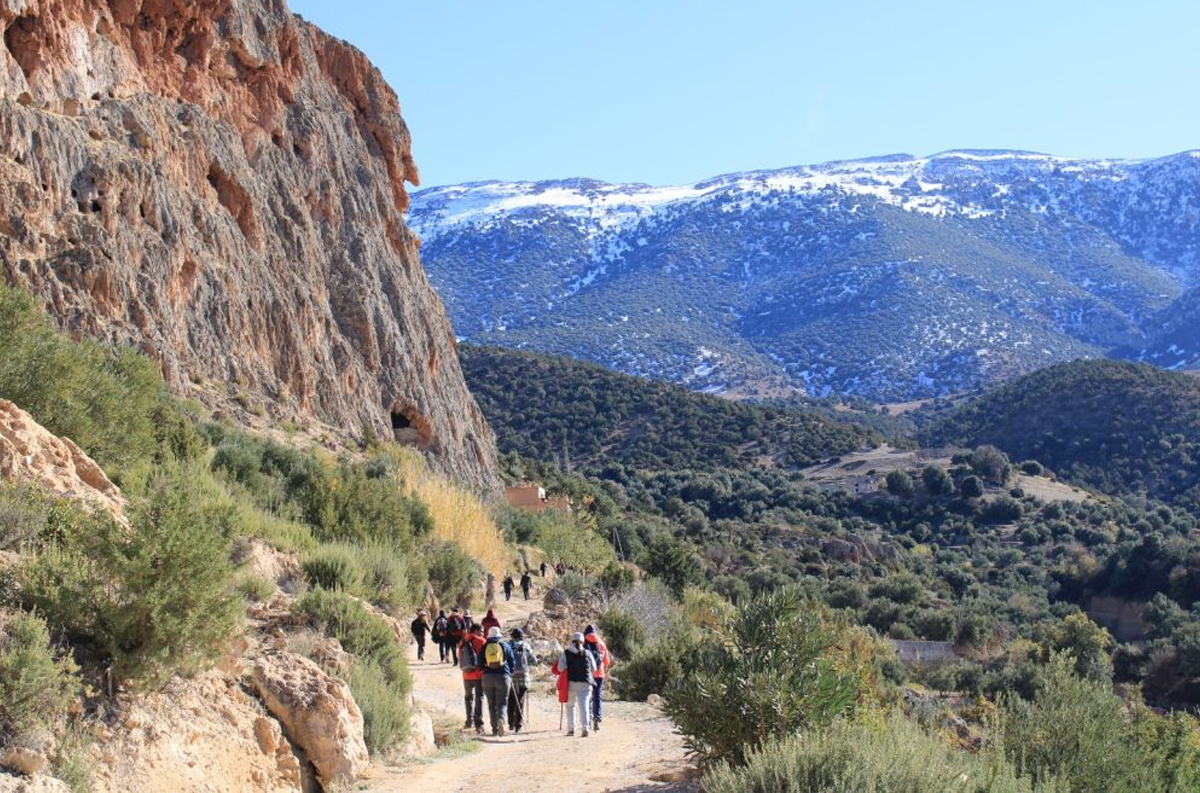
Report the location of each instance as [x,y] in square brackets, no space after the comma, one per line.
[669,92]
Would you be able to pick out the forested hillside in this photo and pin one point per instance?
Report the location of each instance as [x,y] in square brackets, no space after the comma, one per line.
[1122,428]
[583,415]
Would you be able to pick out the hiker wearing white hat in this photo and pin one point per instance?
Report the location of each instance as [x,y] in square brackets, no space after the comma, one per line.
[497,657]
[580,666]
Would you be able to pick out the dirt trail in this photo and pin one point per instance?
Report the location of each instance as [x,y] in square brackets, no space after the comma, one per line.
[636,745]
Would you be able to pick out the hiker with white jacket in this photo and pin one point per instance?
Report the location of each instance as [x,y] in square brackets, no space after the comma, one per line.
[580,666]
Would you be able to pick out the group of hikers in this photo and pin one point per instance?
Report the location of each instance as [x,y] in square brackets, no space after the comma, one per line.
[526,583]
[499,669]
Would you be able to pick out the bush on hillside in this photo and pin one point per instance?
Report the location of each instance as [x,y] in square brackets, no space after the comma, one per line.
[79,389]
[454,575]
[385,706]
[365,635]
[768,672]
[621,632]
[897,756]
[154,597]
[36,687]
[1078,731]
[654,666]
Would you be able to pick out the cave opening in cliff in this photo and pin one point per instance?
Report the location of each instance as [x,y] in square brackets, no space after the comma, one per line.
[411,428]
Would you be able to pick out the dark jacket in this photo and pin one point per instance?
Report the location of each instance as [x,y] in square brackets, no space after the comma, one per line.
[526,581]
[508,658]
[419,627]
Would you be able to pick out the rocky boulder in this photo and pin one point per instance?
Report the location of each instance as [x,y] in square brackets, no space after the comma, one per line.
[318,713]
[31,453]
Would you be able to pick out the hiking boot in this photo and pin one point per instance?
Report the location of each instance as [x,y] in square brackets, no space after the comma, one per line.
[501,730]
[479,730]
[595,725]
[570,733]
[467,724]
[584,734]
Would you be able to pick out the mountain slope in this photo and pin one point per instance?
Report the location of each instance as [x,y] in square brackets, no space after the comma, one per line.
[892,278]
[543,407]
[222,185]
[1121,427]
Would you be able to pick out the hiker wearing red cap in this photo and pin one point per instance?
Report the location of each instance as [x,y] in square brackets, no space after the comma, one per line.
[470,661]
[490,621]
[599,652]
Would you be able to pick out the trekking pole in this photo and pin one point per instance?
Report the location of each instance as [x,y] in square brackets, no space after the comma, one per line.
[562,708]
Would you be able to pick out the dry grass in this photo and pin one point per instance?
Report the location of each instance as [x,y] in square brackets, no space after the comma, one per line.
[458,516]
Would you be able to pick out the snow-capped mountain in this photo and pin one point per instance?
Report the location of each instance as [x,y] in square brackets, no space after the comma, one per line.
[893,277]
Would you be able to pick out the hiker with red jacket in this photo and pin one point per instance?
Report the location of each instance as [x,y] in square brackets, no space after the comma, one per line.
[580,665]
[456,631]
[470,661]
[490,621]
[598,651]
[497,660]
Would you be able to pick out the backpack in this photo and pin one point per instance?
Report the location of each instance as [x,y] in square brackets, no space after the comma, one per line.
[468,659]
[456,625]
[520,658]
[594,650]
[493,655]
[439,626]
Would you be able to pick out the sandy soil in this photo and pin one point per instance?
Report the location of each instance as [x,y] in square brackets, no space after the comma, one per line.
[636,746]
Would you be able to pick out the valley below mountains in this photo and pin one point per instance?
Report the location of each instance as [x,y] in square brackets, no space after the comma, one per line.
[892,278]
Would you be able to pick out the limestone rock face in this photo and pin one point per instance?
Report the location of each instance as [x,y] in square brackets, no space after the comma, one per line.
[198,735]
[317,711]
[222,184]
[30,453]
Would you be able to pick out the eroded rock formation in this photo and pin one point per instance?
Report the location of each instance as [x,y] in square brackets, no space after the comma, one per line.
[222,184]
[30,453]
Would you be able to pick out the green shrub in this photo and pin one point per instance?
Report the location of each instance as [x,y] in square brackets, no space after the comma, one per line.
[35,686]
[622,632]
[895,757]
[769,672]
[365,635]
[653,667]
[333,567]
[253,588]
[575,584]
[454,575]
[385,706]
[1076,730]
[103,400]
[617,577]
[73,763]
[155,596]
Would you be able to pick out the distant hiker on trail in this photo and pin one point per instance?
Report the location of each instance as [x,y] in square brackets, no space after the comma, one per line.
[498,662]
[456,632]
[544,567]
[470,661]
[599,653]
[419,627]
[490,621]
[580,666]
[441,627]
[560,568]
[526,583]
[523,661]
[508,586]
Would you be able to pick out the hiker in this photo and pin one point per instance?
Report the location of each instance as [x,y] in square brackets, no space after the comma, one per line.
[508,586]
[599,652]
[497,658]
[490,621]
[543,568]
[526,583]
[471,664]
[441,626]
[419,627]
[560,568]
[580,665]
[456,632]
[563,686]
[523,660]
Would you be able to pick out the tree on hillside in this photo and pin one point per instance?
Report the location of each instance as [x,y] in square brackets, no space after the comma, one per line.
[991,464]
[937,482]
[899,483]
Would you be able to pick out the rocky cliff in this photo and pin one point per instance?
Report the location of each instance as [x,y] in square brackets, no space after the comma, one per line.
[222,184]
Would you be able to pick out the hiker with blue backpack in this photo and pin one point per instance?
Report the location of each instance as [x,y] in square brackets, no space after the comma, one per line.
[497,662]
[470,661]
[523,661]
